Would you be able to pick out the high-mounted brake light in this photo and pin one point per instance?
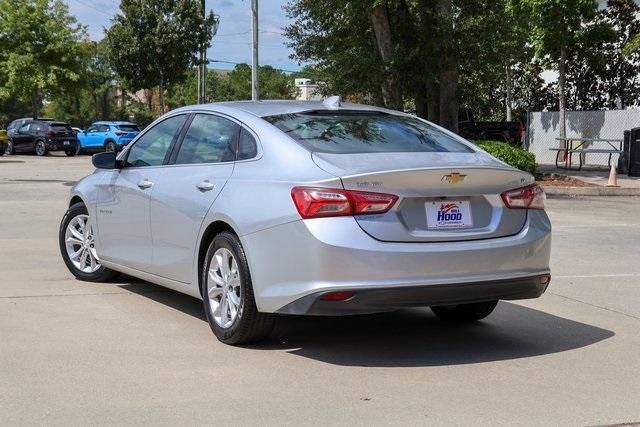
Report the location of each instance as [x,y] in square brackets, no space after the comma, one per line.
[529,197]
[315,202]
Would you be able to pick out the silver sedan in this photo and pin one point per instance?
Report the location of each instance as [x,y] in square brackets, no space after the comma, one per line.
[317,208]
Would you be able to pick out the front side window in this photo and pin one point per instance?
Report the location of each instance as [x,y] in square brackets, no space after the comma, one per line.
[151,148]
[344,132]
[24,128]
[209,139]
[92,129]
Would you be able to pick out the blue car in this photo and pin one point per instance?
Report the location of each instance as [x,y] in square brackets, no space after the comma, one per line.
[107,136]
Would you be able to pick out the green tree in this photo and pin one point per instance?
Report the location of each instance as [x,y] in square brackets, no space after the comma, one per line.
[41,52]
[274,84]
[557,27]
[153,43]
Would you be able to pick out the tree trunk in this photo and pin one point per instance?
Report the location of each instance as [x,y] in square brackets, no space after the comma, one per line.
[433,102]
[148,93]
[420,98]
[508,99]
[382,30]
[448,68]
[161,94]
[562,101]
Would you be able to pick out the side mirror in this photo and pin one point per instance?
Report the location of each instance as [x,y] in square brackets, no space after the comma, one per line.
[105,160]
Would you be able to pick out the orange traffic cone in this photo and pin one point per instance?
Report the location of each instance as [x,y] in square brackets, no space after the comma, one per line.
[613,178]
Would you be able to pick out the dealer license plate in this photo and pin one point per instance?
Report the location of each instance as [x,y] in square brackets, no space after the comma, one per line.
[449,214]
[66,143]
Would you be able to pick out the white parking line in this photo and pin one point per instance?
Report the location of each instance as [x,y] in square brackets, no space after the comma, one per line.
[555,227]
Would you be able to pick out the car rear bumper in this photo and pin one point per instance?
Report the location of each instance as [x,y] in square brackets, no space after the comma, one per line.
[59,145]
[293,264]
[377,300]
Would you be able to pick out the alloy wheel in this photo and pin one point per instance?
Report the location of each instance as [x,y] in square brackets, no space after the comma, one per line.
[224,288]
[80,245]
[41,149]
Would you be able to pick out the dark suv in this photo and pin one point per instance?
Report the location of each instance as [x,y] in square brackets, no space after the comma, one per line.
[41,136]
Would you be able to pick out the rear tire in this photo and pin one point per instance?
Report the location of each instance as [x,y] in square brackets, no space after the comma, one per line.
[70,153]
[72,242]
[111,147]
[2,151]
[41,148]
[78,149]
[464,313]
[227,293]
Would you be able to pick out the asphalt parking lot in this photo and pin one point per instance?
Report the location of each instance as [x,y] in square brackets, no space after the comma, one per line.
[134,353]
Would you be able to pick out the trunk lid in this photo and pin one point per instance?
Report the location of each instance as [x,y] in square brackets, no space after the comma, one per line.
[429,184]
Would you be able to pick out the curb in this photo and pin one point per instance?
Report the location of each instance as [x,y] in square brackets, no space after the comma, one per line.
[591,191]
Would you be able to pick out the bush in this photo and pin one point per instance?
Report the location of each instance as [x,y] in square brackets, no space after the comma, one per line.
[514,156]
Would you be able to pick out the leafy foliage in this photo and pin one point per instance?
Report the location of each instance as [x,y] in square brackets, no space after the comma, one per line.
[515,156]
[154,42]
[41,52]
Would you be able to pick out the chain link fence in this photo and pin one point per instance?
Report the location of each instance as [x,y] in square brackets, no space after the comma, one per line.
[544,127]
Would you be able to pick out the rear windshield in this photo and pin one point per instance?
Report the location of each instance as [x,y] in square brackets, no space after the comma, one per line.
[346,132]
[129,128]
[59,126]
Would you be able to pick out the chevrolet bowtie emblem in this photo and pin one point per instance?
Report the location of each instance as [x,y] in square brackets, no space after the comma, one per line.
[453,178]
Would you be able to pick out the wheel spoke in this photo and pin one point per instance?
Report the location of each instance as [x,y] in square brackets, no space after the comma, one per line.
[73,240]
[83,259]
[77,234]
[224,266]
[74,256]
[215,292]
[92,260]
[235,299]
[215,277]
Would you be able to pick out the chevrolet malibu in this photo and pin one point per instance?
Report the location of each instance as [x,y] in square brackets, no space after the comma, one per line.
[313,208]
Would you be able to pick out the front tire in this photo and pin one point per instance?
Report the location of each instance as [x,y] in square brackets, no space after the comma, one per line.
[10,150]
[41,148]
[70,153]
[76,241]
[465,313]
[227,293]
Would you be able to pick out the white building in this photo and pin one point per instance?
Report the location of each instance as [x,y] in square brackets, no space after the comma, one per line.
[307,90]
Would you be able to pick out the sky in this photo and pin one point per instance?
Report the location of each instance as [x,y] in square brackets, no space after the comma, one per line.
[233,41]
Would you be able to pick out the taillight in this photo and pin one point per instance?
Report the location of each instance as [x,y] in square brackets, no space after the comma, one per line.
[51,133]
[529,197]
[314,202]
[121,133]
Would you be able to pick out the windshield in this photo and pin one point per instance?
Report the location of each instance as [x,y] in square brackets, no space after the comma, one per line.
[346,132]
[129,128]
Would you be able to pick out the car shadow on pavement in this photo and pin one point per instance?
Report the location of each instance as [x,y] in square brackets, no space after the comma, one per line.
[411,337]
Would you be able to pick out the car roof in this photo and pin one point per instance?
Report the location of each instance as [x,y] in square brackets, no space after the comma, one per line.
[114,122]
[276,107]
[42,119]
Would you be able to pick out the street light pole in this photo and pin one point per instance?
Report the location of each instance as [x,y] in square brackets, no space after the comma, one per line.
[254,60]
[202,68]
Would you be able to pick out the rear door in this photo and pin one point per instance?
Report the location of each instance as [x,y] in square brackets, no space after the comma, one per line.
[123,215]
[201,164]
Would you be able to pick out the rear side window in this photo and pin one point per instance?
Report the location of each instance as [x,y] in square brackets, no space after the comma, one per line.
[247,147]
[103,128]
[210,139]
[152,147]
[128,128]
[346,132]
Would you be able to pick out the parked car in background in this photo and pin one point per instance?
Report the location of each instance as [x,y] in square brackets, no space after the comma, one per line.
[107,136]
[77,130]
[4,141]
[41,136]
[510,132]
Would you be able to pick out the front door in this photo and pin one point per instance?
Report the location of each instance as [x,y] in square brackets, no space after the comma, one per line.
[124,231]
[200,167]
[23,139]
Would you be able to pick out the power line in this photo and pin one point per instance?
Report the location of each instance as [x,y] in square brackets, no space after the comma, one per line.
[89,5]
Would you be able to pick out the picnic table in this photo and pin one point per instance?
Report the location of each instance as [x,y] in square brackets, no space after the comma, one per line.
[577,145]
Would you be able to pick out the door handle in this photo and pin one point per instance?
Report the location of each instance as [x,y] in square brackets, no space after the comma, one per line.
[205,186]
[144,184]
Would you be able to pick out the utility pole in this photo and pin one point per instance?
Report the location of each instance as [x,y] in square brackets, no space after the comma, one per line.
[254,61]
